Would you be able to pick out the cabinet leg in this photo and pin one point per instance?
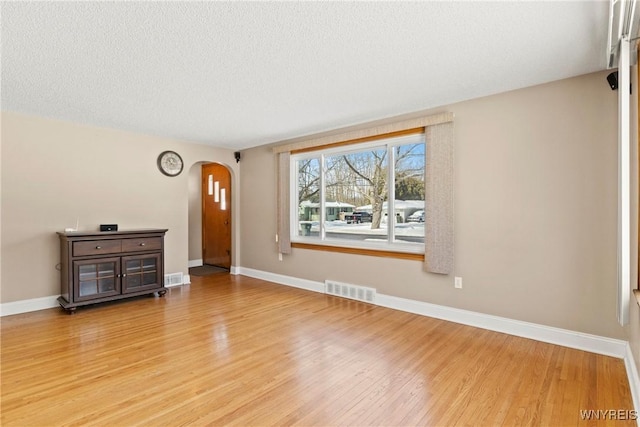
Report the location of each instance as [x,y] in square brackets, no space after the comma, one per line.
[162,293]
[71,310]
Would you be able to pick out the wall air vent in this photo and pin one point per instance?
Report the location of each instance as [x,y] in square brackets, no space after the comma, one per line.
[173,279]
[346,290]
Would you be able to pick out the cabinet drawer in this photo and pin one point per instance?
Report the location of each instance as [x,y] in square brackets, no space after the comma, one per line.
[97,247]
[142,244]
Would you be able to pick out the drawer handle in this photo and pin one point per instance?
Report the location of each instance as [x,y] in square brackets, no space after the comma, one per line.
[98,247]
[141,244]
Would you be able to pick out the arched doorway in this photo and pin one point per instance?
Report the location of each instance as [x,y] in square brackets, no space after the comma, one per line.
[198,189]
[216,215]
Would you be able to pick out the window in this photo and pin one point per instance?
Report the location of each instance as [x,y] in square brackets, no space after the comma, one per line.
[302,194]
[366,195]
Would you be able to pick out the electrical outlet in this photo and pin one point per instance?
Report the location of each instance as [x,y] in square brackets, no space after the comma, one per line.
[458,283]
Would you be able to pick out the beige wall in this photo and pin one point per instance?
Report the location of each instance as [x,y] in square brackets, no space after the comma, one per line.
[195,212]
[536,200]
[1,227]
[634,313]
[634,331]
[535,213]
[54,172]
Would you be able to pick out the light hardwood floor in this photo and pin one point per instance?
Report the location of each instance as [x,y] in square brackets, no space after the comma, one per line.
[232,350]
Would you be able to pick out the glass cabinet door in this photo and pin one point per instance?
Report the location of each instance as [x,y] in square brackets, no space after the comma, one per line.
[140,272]
[96,278]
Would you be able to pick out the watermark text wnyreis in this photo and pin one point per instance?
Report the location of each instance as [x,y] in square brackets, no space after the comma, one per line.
[608,414]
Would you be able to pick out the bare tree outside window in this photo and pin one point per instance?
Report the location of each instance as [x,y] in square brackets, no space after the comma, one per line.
[309,180]
[370,169]
[356,190]
[409,172]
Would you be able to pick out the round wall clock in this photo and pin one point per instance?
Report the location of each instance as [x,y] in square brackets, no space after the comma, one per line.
[170,163]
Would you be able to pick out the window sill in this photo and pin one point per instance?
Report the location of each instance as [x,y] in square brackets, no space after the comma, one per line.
[636,292]
[360,251]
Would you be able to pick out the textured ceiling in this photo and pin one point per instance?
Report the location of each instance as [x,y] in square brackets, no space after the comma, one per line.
[240,74]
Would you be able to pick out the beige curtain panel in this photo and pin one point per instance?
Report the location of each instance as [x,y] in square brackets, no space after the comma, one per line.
[283,229]
[438,214]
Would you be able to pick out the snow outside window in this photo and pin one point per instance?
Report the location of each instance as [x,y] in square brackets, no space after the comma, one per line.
[342,196]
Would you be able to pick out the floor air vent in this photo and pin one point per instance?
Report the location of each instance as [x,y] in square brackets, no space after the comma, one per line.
[173,279]
[345,290]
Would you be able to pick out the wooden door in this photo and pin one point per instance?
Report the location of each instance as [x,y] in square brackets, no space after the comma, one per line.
[216,215]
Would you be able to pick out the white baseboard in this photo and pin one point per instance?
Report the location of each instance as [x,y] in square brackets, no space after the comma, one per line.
[634,379]
[564,337]
[35,304]
[234,270]
[578,340]
[283,280]
[25,306]
[549,334]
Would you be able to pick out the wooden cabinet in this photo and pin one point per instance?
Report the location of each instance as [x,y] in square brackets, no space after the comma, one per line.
[106,266]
